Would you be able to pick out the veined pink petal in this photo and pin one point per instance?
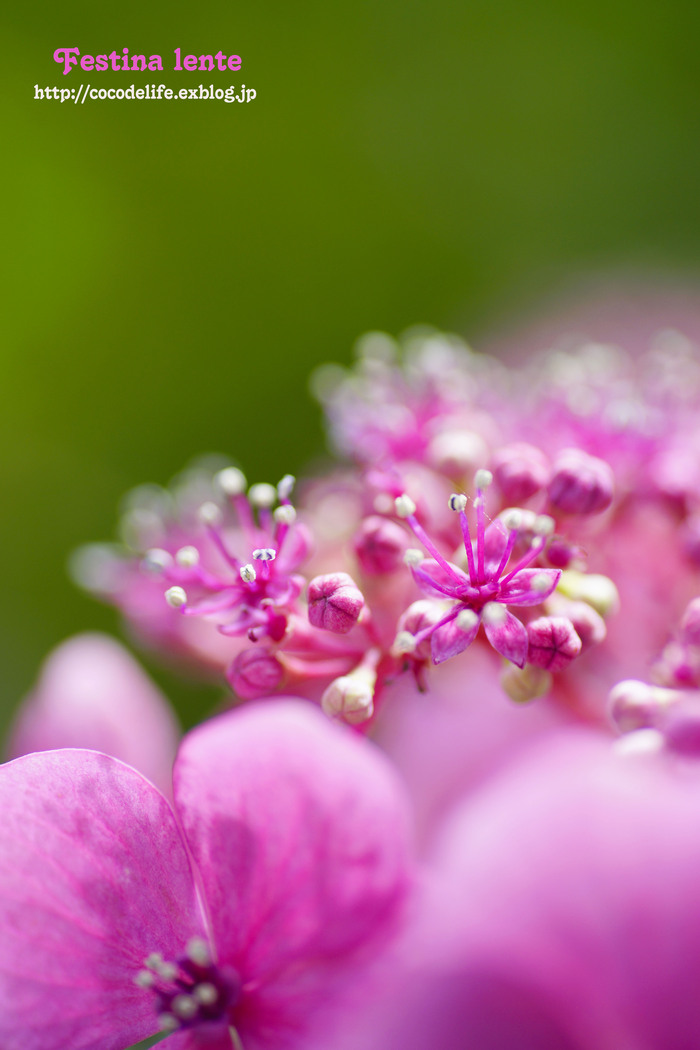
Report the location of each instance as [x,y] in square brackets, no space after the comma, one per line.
[451,639]
[299,830]
[508,637]
[94,877]
[93,694]
[529,586]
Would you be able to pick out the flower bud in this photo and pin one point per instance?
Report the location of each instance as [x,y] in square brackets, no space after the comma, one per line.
[599,591]
[335,602]
[520,470]
[420,616]
[581,484]
[379,546]
[552,642]
[255,673]
[588,624]
[522,685]
[636,705]
[350,698]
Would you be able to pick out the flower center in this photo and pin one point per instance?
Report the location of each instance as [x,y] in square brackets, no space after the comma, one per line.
[191,991]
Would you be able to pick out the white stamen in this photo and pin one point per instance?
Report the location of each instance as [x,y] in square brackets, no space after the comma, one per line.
[467,620]
[262,495]
[176,597]
[167,1023]
[512,519]
[187,557]
[541,582]
[413,557]
[206,993]
[264,554]
[153,961]
[248,574]
[404,506]
[493,614]
[457,501]
[404,642]
[210,513]
[284,488]
[184,1006]
[231,481]
[285,515]
[482,479]
[543,525]
[166,970]
[198,951]
[156,560]
[144,979]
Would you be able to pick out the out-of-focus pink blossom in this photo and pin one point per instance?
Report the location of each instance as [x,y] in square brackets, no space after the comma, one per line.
[92,694]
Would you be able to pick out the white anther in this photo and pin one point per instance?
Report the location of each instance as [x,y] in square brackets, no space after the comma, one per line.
[206,994]
[640,742]
[404,506]
[512,519]
[264,554]
[144,979]
[248,574]
[413,557]
[285,486]
[467,620]
[262,495]
[457,501]
[210,513]
[176,597]
[197,951]
[285,515]
[166,970]
[167,1023]
[184,1006]
[543,525]
[231,481]
[541,582]
[156,560]
[482,479]
[493,614]
[153,961]
[404,642]
[187,557]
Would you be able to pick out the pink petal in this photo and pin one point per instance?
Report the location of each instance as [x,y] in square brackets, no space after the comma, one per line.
[450,640]
[520,590]
[509,638]
[203,1037]
[93,877]
[93,694]
[299,829]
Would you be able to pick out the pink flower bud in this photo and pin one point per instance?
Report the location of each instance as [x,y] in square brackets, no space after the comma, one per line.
[420,616]
[682,732]
[255,673]
[562,554]
[690,624]
[552,642]
[520,471]
[335,602]
[581,484]
[636,705]
[588,624]
[379,545]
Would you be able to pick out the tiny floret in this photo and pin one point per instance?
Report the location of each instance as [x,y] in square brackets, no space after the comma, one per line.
[404,643]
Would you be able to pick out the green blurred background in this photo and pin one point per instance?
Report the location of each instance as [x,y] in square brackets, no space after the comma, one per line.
[173,270]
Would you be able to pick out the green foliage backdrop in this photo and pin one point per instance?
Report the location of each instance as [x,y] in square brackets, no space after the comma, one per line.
[172,271]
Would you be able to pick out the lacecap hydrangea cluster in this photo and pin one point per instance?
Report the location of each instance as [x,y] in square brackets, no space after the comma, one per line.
[452,797]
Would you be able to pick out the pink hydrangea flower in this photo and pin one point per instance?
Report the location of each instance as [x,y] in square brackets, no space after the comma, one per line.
[238,917]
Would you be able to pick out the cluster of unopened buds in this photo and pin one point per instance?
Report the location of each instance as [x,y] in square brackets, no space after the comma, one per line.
[452,797]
